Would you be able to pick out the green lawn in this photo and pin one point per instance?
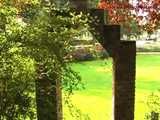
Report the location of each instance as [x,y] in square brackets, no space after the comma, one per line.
[96,99]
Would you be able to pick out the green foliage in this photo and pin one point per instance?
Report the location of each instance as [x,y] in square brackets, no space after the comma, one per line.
[16,71]
[17,75]
[97,76]
[132,32]
[153,104]
[34,35]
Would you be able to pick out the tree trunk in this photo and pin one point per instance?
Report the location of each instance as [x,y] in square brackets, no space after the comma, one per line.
[48,96]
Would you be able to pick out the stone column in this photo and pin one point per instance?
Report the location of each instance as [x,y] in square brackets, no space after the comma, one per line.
[124,58]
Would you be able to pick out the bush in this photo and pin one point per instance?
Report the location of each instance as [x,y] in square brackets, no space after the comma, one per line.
[17,88]
[41,39]
[153,104]
[83,53]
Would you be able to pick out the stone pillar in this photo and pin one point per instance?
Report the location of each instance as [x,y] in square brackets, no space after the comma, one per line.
[124,57]
[48,96]
[124,80]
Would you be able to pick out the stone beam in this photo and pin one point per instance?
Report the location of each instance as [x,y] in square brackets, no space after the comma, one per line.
[111,38]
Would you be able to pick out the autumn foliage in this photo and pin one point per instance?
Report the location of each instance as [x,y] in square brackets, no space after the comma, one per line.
[145,14]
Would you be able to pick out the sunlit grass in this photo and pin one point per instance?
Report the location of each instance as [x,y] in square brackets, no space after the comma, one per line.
[96,99]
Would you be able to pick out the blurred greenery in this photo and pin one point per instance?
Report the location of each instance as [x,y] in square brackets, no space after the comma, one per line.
[96,99]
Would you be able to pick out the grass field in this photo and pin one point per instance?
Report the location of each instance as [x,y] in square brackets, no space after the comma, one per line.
[96,99]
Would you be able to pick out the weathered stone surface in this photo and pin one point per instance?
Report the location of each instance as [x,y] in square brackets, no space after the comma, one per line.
[124,80]
[111,38]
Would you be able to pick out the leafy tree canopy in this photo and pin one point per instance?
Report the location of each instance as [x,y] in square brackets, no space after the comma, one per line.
[34,33]
[133,16]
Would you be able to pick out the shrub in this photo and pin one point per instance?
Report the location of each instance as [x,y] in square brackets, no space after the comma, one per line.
[41,38]
[153,104]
